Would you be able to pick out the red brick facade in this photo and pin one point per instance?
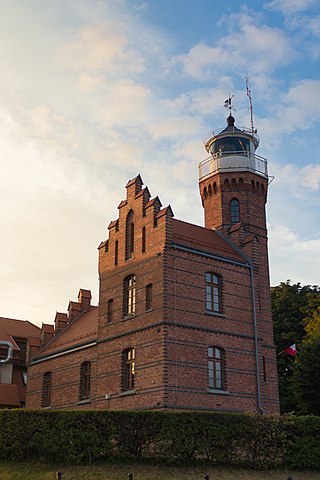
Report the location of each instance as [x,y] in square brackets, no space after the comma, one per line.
[184,316]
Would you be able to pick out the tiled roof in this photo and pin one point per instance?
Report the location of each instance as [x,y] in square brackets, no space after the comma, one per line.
[9,395]
[82,330]
[10,327]
[204,239]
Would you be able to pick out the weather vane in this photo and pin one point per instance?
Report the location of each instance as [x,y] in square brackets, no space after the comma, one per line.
[228,103]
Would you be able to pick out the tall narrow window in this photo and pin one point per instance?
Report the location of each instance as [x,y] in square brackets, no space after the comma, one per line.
[264,369]
[46,389]
[85,377]
[128,369]
[143,239]
[116,253]
[149,297]
[110,310]
[216,368]
[129,295]
[213,292]
[234,211]
[129,235]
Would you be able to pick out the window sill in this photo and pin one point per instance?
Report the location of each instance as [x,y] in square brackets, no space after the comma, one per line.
[149,310]
[86,400]
[215,314]
[127,317]
[216,391]
[127,392]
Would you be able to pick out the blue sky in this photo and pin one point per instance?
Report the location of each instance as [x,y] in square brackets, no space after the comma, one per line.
[94,92]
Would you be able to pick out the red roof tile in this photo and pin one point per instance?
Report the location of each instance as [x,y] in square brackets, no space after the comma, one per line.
[82,330]
[10,327]
[204,239]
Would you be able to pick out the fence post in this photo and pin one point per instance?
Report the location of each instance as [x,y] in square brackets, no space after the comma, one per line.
[59,475]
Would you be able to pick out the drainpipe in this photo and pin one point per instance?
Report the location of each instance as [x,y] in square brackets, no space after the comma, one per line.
[10,351]
[256,340]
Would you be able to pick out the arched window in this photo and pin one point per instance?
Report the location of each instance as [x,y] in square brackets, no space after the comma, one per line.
[213,292]
[129,299]
[128,369]
[214,187]
[216,368]
[46,389]
[205,192]
[234,211]
[85,377]
[144,237]
[129,235]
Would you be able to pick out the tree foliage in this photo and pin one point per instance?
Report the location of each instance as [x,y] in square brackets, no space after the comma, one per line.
[296,317]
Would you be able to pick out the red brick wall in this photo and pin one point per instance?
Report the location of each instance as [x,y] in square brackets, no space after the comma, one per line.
[171,340]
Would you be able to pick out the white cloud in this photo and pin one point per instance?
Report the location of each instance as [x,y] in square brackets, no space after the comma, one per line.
[289,7]
[311,176]
[293,257]
[174,127]
[249,47]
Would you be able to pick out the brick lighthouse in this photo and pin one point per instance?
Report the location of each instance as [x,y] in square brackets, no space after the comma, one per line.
[233,185]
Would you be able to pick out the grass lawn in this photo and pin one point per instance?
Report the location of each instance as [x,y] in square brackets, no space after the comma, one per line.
[31,471]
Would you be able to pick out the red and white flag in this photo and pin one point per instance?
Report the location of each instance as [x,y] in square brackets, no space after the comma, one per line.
[292,350]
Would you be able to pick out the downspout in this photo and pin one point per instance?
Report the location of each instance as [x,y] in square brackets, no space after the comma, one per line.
[10,351]
[256,340]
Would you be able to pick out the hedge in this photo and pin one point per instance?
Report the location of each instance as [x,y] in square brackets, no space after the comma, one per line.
[71,437]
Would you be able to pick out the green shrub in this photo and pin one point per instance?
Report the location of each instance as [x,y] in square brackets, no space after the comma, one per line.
[74,437]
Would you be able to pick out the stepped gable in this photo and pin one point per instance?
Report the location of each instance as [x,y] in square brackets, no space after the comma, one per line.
[204,239]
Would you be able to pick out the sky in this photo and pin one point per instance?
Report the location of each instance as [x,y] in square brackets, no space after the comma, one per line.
[94,92]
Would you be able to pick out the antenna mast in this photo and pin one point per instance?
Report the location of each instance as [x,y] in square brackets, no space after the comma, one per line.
[250,103]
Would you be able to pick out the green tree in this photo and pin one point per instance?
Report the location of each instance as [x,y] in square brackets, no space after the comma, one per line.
[306,376]
[292,310]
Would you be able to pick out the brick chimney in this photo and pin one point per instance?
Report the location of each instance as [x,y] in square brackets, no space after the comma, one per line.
[60,321]
[47,332]
[84,298]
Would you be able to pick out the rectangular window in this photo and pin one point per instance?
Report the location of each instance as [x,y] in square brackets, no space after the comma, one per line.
[213,292]
[128,369]
[215,368]
[143,240]
[130,295]
[85,378]
[46,389]
[149,297]
[264,369]
[110,310]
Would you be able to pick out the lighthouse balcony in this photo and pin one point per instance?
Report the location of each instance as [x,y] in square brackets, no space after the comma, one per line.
[233,162]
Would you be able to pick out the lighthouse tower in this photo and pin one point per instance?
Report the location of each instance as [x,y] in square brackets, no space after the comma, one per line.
[233,184]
